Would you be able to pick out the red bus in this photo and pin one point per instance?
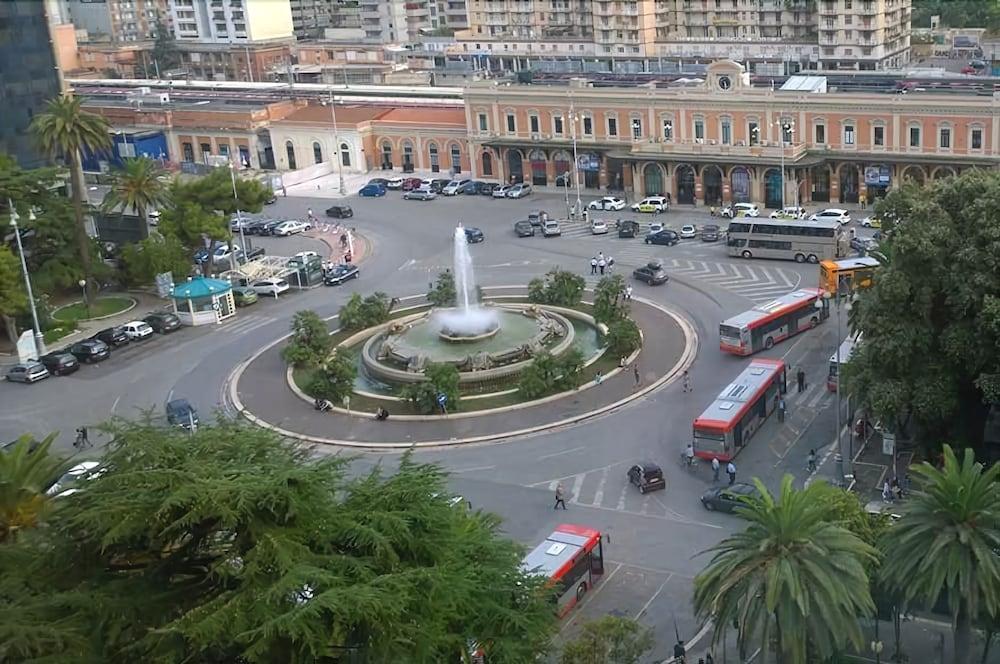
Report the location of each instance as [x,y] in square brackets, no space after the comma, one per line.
[767,324]
[572,559]
[732,419]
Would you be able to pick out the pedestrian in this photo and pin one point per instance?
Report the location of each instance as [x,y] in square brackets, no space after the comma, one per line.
[611,264]
[284,192]
[635,371]
[781,409]
[854,232]
[731,471]
[800,379]
[598,377]
[309,213]
[628,292]
[715,469]
[886,492]
[897,490]
[679,651]
[862,200]
[709,659]
[601,264]
[593,265]
[687,382]
[811,461]
[621,362]
[560,496]
[600,256]
[859,429]
[689,454]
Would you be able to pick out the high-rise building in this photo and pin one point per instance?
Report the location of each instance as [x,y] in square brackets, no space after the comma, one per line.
[311,18]
[117,21]
[639,35]
[28,76]
[230,21]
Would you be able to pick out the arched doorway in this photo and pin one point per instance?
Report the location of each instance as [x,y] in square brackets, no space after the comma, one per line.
[914,174]
[290,153]
[739,183]
[819,176]
[515,166]
[387,156]
[684,176]
[435,157]
[539,162]
[487,165]
[849,183]
[563,163]
[407,156]
[652,180]
[944,172]
[772,188]
[711,184]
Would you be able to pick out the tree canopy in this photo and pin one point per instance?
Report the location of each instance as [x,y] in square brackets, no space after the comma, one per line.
[310,341]
[958,13]
[558,287]
[609,640]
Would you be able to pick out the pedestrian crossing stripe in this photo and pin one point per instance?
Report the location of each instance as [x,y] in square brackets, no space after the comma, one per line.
[245,324]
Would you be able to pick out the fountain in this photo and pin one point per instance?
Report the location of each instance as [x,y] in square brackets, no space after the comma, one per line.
[468,321]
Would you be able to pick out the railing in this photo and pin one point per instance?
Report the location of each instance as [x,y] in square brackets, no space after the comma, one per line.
[711,147]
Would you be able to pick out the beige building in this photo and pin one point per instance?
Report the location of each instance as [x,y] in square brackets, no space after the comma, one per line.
[117,21]
[638,35]
[230,21]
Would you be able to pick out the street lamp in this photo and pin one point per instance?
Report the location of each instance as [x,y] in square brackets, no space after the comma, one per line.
[39,339]
[573,117]
[784,127]
[336,143]
[239,219]
[83,287]
[845,469]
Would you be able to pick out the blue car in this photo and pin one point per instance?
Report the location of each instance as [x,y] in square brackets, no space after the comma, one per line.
[372,190]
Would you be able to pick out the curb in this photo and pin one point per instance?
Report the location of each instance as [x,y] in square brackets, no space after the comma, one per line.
[687,357]
[135,303]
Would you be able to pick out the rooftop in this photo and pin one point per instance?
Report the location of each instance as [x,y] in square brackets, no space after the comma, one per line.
[347,114]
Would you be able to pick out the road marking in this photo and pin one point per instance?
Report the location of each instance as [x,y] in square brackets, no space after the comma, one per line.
[473,469]
[170,396]
[555,454]
[820,395]
[115,404]
[590,595]
[599,494]
[621,499]
[650,601]
[407,264]
[551,482]
[575,491]
[686,522]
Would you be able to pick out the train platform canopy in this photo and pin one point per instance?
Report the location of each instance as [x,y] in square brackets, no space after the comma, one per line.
[805,84]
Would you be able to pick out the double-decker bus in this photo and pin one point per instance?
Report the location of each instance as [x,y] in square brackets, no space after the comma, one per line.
[732,419]
[767,324]
[847,275]
[847,347]
[572,559]
[798,240]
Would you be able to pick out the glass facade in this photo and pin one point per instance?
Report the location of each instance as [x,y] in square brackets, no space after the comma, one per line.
[28,76]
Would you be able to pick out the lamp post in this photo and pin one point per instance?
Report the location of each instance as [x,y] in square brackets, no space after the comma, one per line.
[39,339]
[83,287]
[336,144]
[573,117]
[782,128]
[239,219]
[845,468]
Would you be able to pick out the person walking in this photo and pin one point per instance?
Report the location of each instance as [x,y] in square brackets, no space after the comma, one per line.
[635,372]
[811,461]
[715,469]
[781,409]
[593,265]
[601,264]
[800,379]
[598,377]
[560,496]
[628,292]
[687,382]
[309,214]
[731,471]
[862,200]
[611,264]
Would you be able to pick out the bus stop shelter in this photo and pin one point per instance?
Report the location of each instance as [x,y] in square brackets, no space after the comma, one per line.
[202,301]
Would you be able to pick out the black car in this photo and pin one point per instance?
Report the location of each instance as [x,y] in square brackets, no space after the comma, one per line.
[163,321]
[256,252]
[379,181]
[646,477]
[474,235]
[60,363]
[486,188]
[90,350]
[627,228]
[710,233]
[113,336]
[338,274]
[652,273]
[180,413]
[727,498]
[437,184]
[268,227]
[666,236]
[524,229]
[253,228]
[339,211]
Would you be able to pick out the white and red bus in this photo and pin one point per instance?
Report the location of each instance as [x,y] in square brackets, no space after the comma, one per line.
[767,324]
[572,559]
[731,420]
[844,353]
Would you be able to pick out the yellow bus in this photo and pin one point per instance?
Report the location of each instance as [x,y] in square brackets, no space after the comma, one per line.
[847,275]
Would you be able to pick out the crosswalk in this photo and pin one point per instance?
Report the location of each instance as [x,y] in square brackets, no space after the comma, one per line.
[243,323]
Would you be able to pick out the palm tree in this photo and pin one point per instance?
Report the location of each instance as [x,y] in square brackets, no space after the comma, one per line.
[63,130]
[947,541]
[794,577]
[26,471]
[139,184]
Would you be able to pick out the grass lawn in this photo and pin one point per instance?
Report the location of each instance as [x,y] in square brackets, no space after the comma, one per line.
[102,306]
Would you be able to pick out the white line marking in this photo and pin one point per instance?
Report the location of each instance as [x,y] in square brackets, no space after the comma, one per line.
[407,264]
[170,396]
[575,491]
[555,454]
[115,404]
[650,601]
[589,596]
[473,469]
[621,499]
[820,395]
[599,494]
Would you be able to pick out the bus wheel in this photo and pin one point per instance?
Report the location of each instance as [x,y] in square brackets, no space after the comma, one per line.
[813,258]
[581,590]
[813,322]
[799,258]
[747,254]
[769,344]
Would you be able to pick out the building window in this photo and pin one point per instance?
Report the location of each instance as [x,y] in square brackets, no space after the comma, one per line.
[533,124]
[977,139]
[636,129]
[386,156]
[588,125]
[787,130]
[206,149]
[820,131]
[511,124]
[727,131]
[188,151]
[944,138]
[456,159]
[668,130]
[345,155]
[753,131]
[317,153]
[483,124]
[435,164]
[487,164]
[557,125]
[699,130]
[878,137]
[612,126]
[914,137]
[848,134]
[224,149]
[290,153]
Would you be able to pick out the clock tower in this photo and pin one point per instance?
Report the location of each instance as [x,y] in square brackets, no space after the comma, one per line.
[725,76]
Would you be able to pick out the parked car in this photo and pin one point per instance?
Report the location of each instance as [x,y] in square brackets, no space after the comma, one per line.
[470,187]
[180,413]
[303,257]
[253,228]
[60,363]
[338,274]
[627,228]
[411,183]
[519,190]
[454,187]
[271,199]
[651,204]
[137,330]
[474,235]
[31,371]
[286,228]
[256,252]
[863,245]
[651,273]
[113,336]
[381,182]
[90,350]
[613,203]
[666,237]
[372,190]
[646,477]
[537,217]
[727,498]
[524,229]
[501,191]
[789,212]
[163,322]
[550,228]
[82,471]
[339,211]
[655,226]
[268,227]
[394,183]
[832,214]
[244,296]
[236,222]
[271,286]
[871,222]
[735,210]
[688,232]
[487,188]
[709,233]
[598,227]
[421,194]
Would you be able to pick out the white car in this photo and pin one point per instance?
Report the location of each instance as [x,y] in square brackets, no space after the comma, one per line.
[655,226]
[271,286]
[651,204]
[286,228]
[137,330]
[394,183]
[607,203]
[304,257]
[454,187]
[519,190]
[789,212]
[688,232]
[501,191]
[153,217]
[598,227]
[550,228]
[81,471]
[832,214]
[740,210]
[222,252]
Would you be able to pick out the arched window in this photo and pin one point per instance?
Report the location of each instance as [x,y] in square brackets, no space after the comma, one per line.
[408,156]
[432,149]
[456,159]
[317,153]
[290,151]
[387,156]
[345,155]
[487,164]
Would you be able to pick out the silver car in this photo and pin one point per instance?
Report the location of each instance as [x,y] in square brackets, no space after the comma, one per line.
[27,372]
[420,194]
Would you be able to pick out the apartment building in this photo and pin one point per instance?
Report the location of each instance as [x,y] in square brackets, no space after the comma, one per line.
[640,35]
[230,21]
[117,21]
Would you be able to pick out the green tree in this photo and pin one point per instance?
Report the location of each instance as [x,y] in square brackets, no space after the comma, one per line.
[442,293]
[958,13]
[610,304]
[609,640]
[140,184]
[190,224]
[359,313]
[27,470]
[334,379]
[165,53]
[310,342]
[64,130]
[13,298]
[229,544]
[560,288]
[793,577]
[548,374]
[442,378]
[623,337]
[142,261]
[946,543]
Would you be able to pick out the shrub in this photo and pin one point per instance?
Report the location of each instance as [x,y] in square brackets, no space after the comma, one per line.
[549,374]
[442,293]
[560,288]
[358,313]
[334,379]
[609,304]
[310,342]
[441,379]
[623,337]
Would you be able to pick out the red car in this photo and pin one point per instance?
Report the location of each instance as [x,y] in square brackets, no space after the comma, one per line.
[411,183]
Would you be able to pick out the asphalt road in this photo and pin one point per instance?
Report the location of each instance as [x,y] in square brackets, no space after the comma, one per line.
[656,538]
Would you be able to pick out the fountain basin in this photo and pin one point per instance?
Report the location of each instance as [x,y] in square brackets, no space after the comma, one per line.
[466,326]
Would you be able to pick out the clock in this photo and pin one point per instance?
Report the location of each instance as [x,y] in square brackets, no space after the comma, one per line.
[725,83]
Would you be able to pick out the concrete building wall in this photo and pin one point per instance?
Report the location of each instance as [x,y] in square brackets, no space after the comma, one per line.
[267,19]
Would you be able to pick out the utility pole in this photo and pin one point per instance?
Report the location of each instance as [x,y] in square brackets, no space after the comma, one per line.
[39,338]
